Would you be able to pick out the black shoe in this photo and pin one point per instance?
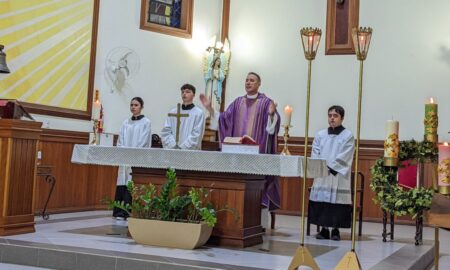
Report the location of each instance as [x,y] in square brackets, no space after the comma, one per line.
[335,235]
[324,234]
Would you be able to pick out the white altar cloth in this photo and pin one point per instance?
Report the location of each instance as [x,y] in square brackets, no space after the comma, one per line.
[192,160]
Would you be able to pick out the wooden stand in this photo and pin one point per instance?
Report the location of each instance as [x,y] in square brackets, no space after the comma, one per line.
[240,192]
[18,153]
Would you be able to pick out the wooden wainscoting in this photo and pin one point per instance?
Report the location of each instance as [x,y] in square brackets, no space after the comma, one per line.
[78,187]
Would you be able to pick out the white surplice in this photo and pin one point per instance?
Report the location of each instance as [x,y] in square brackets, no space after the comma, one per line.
[191,129]
[338,151]
[133,133]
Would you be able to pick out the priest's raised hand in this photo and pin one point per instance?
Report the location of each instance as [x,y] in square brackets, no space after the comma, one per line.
[206,103]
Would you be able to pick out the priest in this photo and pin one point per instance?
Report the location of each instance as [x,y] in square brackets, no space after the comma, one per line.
[255,115]
[330,199]
[191,123]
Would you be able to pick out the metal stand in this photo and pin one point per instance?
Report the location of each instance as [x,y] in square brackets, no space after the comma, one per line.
[391,221]
[46,171]
[419,229]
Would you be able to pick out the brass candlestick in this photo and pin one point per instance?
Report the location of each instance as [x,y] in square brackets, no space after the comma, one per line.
[361,42]
[285,151]
[310,41]
[95,129]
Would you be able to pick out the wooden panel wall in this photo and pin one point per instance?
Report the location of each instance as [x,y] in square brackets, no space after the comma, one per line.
[78,187]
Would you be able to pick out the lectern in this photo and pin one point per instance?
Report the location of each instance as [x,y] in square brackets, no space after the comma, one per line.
[18,154]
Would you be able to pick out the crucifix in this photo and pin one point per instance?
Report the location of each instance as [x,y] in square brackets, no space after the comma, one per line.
[178,115]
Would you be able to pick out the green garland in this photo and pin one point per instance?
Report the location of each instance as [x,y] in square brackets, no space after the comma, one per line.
[392,197]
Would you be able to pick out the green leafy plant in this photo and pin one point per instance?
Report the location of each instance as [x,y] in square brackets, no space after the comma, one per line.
[169,205]
[393,198]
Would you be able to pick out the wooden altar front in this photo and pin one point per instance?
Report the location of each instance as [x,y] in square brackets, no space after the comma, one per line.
[241,192]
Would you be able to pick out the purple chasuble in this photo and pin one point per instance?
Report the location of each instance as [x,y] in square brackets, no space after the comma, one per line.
[245,116]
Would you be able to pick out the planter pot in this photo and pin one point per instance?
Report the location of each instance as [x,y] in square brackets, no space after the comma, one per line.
[169,234]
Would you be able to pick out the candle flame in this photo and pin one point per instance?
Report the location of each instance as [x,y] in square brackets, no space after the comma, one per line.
[97,97]
[445,143]
[431,100]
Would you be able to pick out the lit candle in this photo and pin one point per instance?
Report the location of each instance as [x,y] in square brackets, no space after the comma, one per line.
[391,144]
[310,44]
[96,106]
[444,168]
[431,121]
[287,115]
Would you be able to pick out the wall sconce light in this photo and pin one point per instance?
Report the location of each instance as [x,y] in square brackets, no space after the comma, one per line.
[3,67]
[218,47]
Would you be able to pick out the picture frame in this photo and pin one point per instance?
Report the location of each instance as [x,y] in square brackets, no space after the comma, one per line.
[342,17]
[149,18]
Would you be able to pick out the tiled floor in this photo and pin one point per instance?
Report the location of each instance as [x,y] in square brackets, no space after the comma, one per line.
[98,231]
[7,266]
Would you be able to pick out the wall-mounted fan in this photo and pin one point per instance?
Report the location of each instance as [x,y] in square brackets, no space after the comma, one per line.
[121,65]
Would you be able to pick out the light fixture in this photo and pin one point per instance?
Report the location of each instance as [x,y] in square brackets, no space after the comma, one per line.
[3,67]
[361,41]
[218,47]
[310,40]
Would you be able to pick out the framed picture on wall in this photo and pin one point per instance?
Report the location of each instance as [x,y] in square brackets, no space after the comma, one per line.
[51,57]
[170,17]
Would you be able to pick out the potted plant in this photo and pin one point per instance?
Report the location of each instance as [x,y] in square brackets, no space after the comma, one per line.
[166,218]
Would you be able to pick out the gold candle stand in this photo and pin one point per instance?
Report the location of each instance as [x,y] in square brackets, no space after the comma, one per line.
[285,151]
[95,129]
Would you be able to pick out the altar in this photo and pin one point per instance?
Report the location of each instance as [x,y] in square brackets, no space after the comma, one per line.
[236,180]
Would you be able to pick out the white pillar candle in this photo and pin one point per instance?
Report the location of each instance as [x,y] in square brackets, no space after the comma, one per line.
[444,165]
[287,115]
[391,143]
[96,106]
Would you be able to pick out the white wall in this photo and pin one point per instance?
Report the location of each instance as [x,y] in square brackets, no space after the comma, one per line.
[409,60]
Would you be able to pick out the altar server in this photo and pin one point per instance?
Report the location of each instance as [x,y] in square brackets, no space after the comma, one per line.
[330,199]
[135,132]
[191,123]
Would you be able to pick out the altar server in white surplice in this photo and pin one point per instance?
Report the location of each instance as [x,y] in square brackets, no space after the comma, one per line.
[330,199]
[192,123]
[135,132]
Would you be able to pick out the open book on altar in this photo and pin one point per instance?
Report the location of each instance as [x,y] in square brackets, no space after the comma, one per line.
[244,144]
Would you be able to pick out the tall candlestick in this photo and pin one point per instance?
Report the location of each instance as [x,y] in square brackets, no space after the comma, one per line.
[444,169]
[287,115]
[391,144]
[431,121]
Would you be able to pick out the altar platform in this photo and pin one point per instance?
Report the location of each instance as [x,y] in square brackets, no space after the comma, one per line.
[93,240]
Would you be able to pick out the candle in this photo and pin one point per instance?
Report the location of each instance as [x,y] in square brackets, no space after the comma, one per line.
[96,106]
[444,168]
[391,144]
[310,44]
[431,121]
[287,115]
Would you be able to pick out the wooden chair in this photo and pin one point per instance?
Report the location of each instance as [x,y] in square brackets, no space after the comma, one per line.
[359,207]
[156,141]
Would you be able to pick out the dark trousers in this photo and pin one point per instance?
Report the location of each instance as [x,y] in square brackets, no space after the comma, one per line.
[122,195]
